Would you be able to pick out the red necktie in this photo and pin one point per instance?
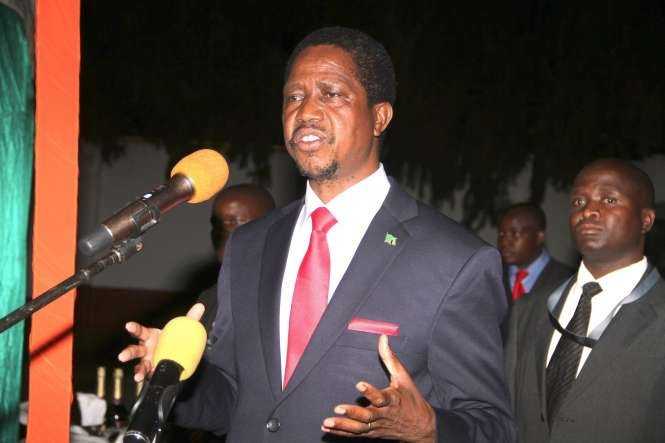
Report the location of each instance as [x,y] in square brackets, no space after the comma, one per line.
[518,287]
[310,295]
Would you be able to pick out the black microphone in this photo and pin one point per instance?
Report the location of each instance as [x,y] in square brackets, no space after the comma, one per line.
[178,353]
[195,178]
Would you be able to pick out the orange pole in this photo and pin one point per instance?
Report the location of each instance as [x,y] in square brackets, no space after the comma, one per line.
[57,54]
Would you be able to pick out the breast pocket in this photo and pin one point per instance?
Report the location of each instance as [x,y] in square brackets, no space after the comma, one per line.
[355,357]
[369,341]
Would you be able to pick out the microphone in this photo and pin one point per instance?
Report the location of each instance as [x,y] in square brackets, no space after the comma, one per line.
[178,353]
[195,178]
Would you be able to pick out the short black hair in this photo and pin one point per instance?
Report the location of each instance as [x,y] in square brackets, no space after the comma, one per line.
[531,209]
[375,68]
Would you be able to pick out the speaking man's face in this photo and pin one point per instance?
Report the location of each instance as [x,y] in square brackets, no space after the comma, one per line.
[329,128]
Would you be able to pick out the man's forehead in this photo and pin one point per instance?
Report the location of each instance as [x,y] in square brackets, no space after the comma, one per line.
[237,200]
[520,217]
[330,59]
[610,176]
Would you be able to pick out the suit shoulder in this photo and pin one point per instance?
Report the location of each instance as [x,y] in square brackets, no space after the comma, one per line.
[560,269]
[436,241]
[442,245]
[433,226]
[656,297]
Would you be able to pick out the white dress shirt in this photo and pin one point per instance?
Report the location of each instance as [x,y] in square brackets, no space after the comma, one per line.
[354,210]
[616,285]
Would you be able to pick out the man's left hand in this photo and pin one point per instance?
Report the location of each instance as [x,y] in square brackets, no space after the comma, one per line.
[397,412]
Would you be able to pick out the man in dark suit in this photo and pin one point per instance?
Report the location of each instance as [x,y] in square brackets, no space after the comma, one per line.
[586,363]
[308,292]
[528,267]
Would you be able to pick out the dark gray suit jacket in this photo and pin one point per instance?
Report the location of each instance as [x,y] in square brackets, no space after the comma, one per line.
[438,282]
[619,396]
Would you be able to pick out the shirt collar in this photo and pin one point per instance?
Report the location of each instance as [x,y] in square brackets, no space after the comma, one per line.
[535,267]
[359,201]
[625,278]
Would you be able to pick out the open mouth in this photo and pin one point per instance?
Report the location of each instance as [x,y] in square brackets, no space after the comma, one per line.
[307,138]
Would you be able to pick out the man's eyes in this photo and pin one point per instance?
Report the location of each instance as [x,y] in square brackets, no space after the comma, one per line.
[332,94]
[514,233]
[326,95]
[580,202]
[293,97]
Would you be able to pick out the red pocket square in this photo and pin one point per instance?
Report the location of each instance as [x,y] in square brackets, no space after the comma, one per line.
[360,324]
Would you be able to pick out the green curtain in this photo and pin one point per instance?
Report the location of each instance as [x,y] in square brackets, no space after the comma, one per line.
[16,151]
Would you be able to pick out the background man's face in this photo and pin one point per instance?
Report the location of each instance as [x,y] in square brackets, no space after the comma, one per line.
[229,213]
[328,125]
[520,240]
[606,215]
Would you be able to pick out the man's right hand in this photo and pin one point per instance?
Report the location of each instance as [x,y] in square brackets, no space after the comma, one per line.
[148,339]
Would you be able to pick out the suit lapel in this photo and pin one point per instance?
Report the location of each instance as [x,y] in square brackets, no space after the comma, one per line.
[371,260]
[626,327]
[272,268]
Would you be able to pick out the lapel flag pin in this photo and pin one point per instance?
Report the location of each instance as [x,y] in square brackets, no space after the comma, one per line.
[390,239]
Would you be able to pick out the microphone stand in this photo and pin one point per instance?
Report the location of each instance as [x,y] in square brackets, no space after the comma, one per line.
[120,253]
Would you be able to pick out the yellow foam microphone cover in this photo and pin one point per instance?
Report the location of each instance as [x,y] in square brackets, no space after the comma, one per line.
[206,169]
[183,341]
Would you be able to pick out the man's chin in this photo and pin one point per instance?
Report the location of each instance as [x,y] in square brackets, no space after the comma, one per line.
[593,253]
[507,259]
[589,245]
[319,174]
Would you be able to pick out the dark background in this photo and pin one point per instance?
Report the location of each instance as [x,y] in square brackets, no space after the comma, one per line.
[484,88]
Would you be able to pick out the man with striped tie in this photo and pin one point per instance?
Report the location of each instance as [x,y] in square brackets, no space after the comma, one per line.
[586,363]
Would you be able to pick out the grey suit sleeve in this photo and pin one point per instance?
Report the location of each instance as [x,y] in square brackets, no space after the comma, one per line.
[208,399]
[466,356]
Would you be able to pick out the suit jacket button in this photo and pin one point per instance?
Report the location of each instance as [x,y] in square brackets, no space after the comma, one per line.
[273,425]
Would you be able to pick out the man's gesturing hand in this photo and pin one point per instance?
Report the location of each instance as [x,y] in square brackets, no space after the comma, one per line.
[397,412]
[148,339]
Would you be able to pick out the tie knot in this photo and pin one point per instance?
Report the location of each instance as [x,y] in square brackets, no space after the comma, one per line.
[521,274]
[322,220]
[590,289]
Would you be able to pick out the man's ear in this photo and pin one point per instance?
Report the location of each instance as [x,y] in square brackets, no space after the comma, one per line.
[383,114]
[540,236]
[648,218]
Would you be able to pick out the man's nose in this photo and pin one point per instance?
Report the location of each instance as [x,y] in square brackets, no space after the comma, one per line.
[591,210]
[309,110]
